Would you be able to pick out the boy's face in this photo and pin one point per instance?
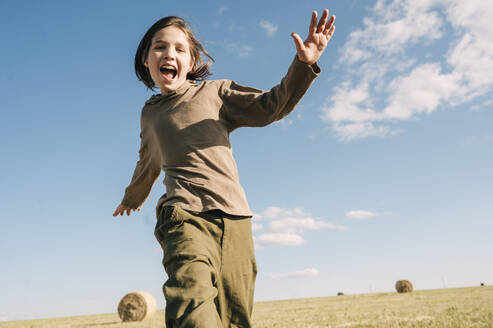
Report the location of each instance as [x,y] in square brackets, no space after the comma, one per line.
[169,59]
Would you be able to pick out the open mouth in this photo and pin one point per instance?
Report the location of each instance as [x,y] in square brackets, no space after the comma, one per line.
[168,72]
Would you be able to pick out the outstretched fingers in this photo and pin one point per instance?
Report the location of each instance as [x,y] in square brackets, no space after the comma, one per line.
[323,20]
[121,209]
[330,27]
[298,42]
[313,23]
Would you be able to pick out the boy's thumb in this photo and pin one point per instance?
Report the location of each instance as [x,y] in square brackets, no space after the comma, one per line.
[297,41]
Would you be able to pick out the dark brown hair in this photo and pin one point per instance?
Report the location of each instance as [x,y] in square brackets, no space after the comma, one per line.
[200,70]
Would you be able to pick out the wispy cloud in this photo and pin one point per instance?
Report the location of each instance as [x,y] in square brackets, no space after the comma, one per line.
[273,212]
[485,140]
[257,227]
[241,50]
[222,9]
[360,214]
[485,104]
[386,85]
[269,27]
[310,272]
[284,226]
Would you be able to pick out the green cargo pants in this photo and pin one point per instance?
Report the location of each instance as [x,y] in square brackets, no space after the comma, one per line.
[210,262]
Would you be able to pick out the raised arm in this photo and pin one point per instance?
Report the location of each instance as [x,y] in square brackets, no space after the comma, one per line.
[246,106]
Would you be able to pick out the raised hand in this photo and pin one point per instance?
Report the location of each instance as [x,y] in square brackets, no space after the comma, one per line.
[318,37]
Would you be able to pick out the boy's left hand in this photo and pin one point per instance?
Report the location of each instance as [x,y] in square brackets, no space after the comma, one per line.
[318,37]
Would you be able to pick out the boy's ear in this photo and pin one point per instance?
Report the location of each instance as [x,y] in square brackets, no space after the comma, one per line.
[144,61]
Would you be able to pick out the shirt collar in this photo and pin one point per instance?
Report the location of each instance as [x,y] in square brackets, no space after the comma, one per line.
[178,91]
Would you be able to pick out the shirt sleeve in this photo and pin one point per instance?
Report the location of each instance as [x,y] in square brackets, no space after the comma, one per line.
[146,171]
[247,106]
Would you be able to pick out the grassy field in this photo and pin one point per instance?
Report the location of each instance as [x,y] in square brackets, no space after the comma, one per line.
[458,307]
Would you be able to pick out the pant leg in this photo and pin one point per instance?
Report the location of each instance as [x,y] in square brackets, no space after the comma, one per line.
[192,254]
[236,283]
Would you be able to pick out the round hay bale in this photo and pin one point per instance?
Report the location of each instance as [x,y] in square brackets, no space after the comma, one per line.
[403,286]
[136,306]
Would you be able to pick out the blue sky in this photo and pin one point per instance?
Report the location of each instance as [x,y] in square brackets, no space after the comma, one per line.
[383,171]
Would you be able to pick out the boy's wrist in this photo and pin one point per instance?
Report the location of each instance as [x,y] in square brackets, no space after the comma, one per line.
[314,66]
[304,62]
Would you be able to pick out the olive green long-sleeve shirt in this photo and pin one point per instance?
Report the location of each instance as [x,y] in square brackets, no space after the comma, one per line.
[186,133]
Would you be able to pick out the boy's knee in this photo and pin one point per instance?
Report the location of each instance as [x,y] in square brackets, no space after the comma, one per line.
[190,288]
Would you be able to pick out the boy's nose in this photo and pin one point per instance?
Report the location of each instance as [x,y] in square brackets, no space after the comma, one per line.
[169,54]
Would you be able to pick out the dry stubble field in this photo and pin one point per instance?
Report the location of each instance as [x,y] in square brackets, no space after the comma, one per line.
[457,307]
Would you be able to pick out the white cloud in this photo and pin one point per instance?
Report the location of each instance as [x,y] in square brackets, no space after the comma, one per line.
[421,91]
[284,239]
[284,226]
[269,28]
[361,214]
[393,32]
[273,212]
[354,131]
[299,225]
[310,272]
[387,85]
